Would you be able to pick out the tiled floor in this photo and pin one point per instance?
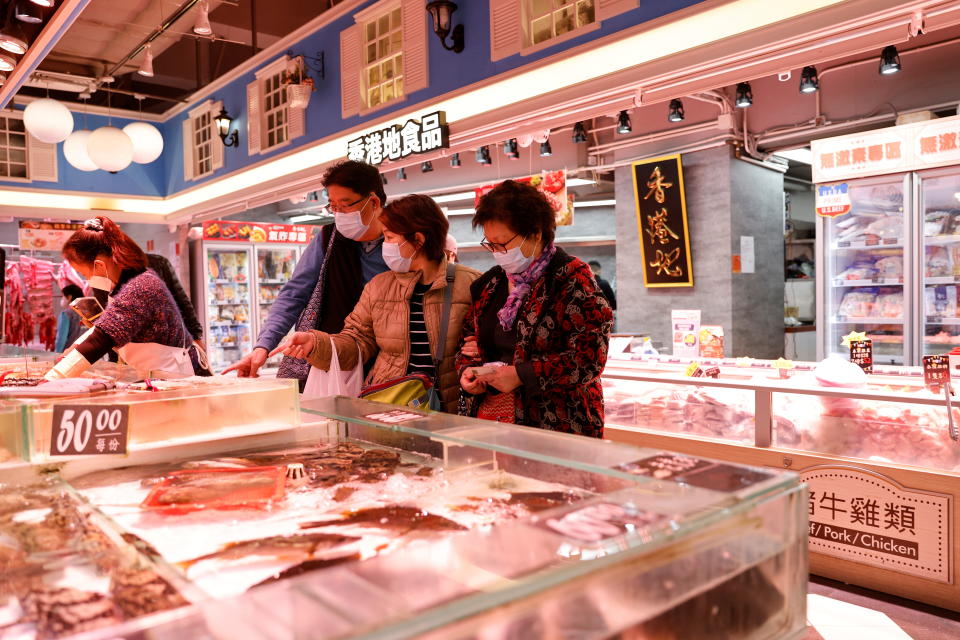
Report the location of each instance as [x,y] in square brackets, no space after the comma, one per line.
[837,611]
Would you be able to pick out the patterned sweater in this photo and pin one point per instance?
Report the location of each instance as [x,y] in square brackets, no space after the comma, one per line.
[142,309]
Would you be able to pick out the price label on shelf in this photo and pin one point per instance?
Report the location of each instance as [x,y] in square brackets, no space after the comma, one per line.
[89,430]
[872,242]
[861,354]
[936,372]
[890,240]
[843,243]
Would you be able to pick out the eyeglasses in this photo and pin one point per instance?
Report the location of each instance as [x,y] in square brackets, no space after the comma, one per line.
[497,247]
[347,208]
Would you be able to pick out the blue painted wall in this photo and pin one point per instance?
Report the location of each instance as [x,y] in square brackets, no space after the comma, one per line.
[448,71]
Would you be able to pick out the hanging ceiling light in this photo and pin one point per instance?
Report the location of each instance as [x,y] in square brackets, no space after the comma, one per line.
[202,25]
[579,133]
[75,151]
[676,113]
[455,161]
[147,141]
[401,174]
[426,167]
[483,156]
[48,120]
[146,67]
[110,149]
[28,12]
[744,95]
[623,122]
[809,81]
[545,149]
[889,61]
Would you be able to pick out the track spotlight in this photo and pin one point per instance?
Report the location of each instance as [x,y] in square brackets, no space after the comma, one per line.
[889,61]
[44,3]
[383,179]
[483,156]
[426,167]
[511,149]
[623,122]
[201,26]
[401,174]
[676,111]
[28,12]
[545,149]
[146,67]
[579,133]
[809,81]
[6,62]
[744,95]
[455,161]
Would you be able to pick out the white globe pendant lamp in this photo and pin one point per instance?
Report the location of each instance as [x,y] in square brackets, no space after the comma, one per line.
[75,151]
[110,149]
[147,141]
[48,120]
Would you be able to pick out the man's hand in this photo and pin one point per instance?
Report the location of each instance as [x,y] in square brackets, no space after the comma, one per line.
[248,366]
[299,345]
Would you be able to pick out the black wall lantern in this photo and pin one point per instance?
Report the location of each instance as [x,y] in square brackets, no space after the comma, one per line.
[442,11]
[223,128]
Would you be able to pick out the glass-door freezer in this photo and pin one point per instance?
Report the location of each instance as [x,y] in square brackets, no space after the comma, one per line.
[864,259]
[228,301]
[938,194]
[275,265]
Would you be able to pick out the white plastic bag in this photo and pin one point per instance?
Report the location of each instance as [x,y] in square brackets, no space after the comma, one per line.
[323,384]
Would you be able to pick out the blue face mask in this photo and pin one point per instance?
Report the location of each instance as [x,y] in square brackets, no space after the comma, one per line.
[391,256]
[513,261]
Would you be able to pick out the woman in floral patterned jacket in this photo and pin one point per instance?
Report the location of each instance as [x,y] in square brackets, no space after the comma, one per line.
[535,336]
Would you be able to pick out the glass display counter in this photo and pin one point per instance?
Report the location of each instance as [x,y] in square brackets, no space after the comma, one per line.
[889,436]
[401,524]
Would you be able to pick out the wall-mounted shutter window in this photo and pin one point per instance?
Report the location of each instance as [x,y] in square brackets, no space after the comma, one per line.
[253,118]
[216,145]
[42,159]
[296,116]
[188,149]
[416,75]
[609,8]
[350,64]
[506,28]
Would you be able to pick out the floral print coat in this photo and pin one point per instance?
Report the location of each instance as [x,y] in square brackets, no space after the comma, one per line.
[562,332]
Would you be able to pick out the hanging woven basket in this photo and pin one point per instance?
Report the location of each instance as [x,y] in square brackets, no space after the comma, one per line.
[298,95]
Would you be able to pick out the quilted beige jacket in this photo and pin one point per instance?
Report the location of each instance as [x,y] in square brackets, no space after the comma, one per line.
[380,326]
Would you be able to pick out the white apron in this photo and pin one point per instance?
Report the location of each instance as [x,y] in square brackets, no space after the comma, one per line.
[151,356]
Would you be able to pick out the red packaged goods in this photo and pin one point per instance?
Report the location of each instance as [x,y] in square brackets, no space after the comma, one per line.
[217,488]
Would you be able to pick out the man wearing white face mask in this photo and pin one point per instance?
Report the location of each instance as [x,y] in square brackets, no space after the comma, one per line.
[332,271]
[399,318]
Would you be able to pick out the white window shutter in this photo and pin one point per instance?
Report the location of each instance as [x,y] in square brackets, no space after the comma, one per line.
[42,160]
[506,28]
[609,8]
[253,118]
[296,122]
[416,73]
[216,148]
[188,149]
[351,62]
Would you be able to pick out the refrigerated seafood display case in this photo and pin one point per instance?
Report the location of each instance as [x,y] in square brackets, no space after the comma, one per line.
[888,237]
[868,446]
[238,270]
[410,524]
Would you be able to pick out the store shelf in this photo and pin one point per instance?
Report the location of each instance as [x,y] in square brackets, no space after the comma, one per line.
[229,304]
[884,243]
[941,280]
[843,320]
[944,321]
[875,282]
[940,240]
[224,281]
[273,282]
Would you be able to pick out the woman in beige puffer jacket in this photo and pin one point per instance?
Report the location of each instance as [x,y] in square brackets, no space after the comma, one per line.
[380,324]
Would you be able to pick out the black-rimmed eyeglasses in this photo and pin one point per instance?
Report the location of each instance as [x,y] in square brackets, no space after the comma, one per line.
[497,247]
[347,208]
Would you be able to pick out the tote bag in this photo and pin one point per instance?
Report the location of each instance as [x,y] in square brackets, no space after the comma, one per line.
[335,382]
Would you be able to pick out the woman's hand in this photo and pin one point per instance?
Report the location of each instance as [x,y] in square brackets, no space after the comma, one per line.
[504,379]
[299,345]
[470,348]
[470,383]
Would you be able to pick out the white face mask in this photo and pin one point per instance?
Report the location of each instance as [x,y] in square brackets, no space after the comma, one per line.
[350,224]
[513,260]
[102,286]
[396,262]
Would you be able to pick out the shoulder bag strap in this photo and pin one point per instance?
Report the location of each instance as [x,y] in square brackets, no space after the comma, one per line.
[444,319]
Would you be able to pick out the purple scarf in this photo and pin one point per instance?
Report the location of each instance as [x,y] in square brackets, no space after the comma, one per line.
[521,287]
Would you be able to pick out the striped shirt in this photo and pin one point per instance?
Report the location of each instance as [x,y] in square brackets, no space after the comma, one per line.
[421,360]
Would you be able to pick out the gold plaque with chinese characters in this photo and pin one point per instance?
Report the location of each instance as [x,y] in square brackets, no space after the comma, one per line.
[662,222]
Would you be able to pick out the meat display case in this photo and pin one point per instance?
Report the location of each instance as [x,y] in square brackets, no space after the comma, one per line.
[891,436]
[457,528]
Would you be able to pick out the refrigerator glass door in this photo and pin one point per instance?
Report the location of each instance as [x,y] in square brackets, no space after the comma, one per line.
[229,304]
[275,266]
[866,288]
[940,260]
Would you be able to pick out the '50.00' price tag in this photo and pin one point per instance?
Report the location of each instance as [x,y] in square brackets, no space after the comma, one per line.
[89,430]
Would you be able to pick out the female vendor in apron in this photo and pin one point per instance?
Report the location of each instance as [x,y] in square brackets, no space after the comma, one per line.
[140,319]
